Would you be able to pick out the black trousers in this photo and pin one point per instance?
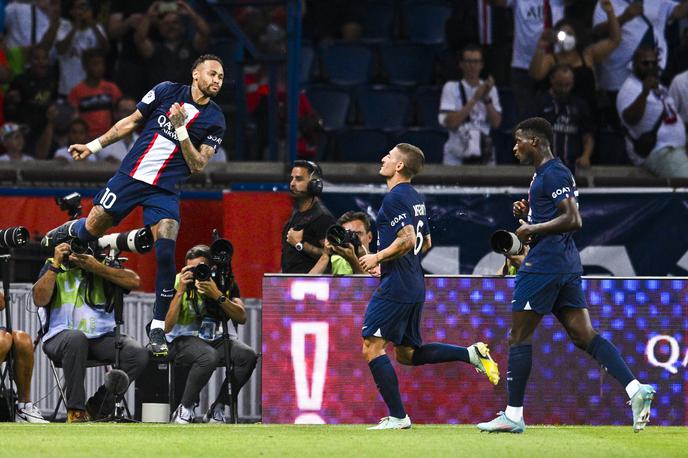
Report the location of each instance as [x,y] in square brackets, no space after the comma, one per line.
[203,357]
[72,350]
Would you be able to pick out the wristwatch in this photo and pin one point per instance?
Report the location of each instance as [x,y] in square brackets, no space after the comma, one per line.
[222,299]
[299,246]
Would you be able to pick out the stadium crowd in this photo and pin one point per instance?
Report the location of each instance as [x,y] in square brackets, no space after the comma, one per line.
[457,90]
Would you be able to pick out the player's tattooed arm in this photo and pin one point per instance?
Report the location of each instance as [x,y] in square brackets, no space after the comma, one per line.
[569,220]
[427,244]
[121,129]
[196,159]
[405,242]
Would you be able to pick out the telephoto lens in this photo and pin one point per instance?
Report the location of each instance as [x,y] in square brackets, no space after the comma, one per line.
[14,237]
[336,235]
[202,272]
[136,241]
[506,243]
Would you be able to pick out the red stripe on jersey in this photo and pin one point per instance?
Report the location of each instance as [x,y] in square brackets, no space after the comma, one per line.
[148,148]
[164,164]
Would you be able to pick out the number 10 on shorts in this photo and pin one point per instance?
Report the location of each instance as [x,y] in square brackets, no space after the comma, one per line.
[108,199]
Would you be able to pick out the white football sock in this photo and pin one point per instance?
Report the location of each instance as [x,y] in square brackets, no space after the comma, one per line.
[632,388]
[157,324]
[514,413]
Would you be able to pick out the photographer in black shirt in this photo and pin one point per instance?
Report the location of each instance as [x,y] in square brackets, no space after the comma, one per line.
[303,236]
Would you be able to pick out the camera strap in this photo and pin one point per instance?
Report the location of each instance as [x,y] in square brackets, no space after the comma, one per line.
[464,99]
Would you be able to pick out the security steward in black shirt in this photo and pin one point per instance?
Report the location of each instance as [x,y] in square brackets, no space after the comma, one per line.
[303,235]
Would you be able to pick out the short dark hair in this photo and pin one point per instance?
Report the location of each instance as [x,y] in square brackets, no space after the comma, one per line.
[202,58]
[352,215]
[471,47]
[643,48]
[313,168]
[414,159]
[91,53]
[560,68]
[198,251]
[539,127]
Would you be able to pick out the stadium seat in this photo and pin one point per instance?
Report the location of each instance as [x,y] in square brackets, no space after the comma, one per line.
[361,145]
[425,21]
[332,104]
[428,105]
[347,64]
[383,107]
[431,141]
[407,64]
[307,58]
[378,24]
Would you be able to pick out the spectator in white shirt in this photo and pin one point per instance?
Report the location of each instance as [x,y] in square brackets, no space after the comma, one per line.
[469,109]
[679,92]
[642,22]
[73,38]
[531,18]
[655,134]
[32,23]
[13,141]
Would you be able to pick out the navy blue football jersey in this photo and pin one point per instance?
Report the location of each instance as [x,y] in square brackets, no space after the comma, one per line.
[551,253]
[402,278]
[156,157]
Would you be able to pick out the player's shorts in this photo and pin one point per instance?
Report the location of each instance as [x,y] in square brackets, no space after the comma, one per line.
[123,193]
[396,322]
[547,293]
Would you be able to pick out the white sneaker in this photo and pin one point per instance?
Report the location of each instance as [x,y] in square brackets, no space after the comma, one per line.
[216,415]
[393,423]
[183,416]
[29,414]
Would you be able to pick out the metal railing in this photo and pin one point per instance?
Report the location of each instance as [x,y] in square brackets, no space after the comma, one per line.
[138,311]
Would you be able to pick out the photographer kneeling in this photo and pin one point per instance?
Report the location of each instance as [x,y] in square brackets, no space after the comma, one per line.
[345,242]
[192,327]
[75,290]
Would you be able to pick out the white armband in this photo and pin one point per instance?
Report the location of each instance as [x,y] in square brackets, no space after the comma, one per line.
[182,134]
[94,146]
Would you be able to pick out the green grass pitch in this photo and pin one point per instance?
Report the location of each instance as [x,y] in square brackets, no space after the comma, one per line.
[120,440]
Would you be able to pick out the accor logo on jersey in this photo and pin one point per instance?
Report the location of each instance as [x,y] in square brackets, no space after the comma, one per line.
[419,209]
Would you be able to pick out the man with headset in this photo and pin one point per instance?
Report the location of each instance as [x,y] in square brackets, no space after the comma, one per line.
[303,235]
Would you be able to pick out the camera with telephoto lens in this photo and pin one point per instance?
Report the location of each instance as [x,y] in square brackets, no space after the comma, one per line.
[341,237]
[506,243]
[137,241]
[202,272]
[221,252]
[14,237]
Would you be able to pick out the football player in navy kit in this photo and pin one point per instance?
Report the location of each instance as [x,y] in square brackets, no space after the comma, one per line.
[182,129]
[394,312]
[549,280]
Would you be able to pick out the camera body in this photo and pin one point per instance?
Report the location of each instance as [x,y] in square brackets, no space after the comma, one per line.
[341,237]
[202,272]
[506,243]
